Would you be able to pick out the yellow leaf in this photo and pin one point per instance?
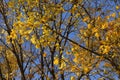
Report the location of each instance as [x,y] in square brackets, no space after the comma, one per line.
[97,35]
[117,7]
[37,46]
[33,39]
[104,26]
[73,49]
[94,30]
[86,69]
[72,78]
[89,26]
[56,61]
[11,4]
[57,44]
[113,14]
[62,65]
[44,55]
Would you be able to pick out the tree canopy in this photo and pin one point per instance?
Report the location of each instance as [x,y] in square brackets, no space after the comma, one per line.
[59,39]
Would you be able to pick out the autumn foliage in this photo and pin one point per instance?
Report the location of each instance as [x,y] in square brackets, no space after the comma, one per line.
[59,39]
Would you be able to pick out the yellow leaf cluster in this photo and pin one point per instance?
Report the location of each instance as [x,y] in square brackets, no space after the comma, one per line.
[105,49]
[13,34]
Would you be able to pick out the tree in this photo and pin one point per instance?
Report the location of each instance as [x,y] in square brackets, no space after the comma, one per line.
[59,39]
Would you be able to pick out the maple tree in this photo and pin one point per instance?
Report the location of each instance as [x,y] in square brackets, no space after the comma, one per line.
[59,39]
